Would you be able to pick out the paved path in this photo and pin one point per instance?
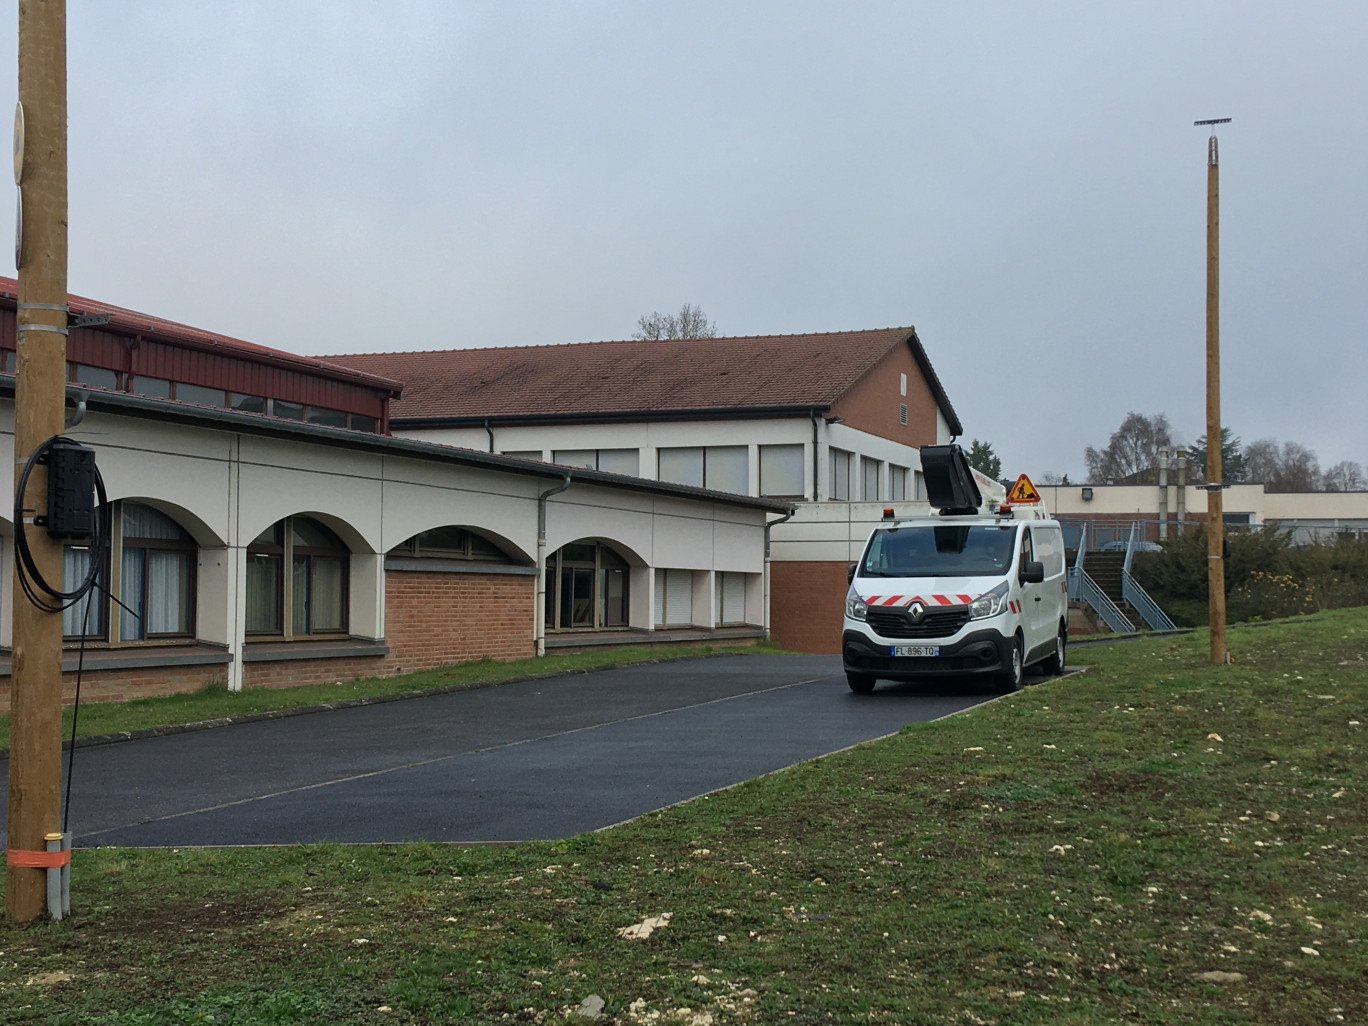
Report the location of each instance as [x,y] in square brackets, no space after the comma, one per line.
[538,759]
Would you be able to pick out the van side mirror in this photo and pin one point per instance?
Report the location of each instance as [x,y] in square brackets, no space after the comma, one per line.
[1032,573]
[850,573]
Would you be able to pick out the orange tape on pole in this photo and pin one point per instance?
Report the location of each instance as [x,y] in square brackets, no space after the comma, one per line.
[37,859]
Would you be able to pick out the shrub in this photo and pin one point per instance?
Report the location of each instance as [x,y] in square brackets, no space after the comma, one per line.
[1264,576]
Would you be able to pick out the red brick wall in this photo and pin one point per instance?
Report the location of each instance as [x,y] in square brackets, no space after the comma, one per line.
[122,685]
[434,619]
[431,619]
[872,404]
[807,601]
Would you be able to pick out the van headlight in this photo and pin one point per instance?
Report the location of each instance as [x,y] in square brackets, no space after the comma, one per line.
[990,603]
[856,607]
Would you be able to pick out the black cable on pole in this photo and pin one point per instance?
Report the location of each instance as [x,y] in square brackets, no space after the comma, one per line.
[55,600]
[36,587]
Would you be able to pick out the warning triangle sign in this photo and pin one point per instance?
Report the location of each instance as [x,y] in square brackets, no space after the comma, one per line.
[1023,492]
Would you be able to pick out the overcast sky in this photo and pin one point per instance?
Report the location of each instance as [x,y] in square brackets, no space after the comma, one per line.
[1020,181]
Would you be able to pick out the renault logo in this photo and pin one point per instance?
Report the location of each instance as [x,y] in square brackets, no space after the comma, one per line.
[915,611]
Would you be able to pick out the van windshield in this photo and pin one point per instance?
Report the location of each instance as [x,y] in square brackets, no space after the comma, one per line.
[951,550]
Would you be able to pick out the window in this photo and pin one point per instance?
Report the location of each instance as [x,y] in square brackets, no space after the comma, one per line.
[731,598]
[96,377]
[673,598]
[451,543]
[840,475]
[682,465]
[586,588]
[326,417]
[360,422]
[869,479]
[723,468]
[782,470]
[11,360]
[314,590]
[290,411]
[620,461]
[726,468]
[157,388]
[246,403]
[902,386]
[897,483]
[201,395]
[156,576]
[586,459]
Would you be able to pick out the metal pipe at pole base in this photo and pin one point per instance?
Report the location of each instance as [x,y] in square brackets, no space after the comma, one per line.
[54,879]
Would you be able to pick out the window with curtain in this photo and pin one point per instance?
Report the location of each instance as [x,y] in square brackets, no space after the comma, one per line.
[314,590]
[86,617]
[156,576]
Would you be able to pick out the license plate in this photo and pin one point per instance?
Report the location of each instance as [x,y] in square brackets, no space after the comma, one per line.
[916,650]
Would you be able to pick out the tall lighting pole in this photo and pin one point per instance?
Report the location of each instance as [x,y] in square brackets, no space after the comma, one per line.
[1215,517]
[40,151]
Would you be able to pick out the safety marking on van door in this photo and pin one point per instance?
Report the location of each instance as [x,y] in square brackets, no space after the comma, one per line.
[1014,605]
[1023,492]
[907,600]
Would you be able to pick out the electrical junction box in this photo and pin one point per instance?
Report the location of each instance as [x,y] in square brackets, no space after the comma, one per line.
[71,491]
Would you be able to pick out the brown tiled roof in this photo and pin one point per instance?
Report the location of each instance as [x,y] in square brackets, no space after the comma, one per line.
[590,379]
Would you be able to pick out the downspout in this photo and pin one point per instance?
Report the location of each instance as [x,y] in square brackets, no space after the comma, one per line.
[539,615]
[816,469]
[768,525]
[490,432]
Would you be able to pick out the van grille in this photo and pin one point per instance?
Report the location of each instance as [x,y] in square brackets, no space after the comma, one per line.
[891,623]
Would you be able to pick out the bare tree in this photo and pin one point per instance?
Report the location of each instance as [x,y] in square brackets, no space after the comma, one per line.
[1131,450]
[690,322]
[1345,476]
[1290,467]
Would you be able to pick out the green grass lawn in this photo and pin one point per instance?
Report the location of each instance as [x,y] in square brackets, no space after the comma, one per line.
[98,718]
[1087,851]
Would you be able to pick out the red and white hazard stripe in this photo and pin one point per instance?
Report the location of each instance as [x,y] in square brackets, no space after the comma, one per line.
[907,600]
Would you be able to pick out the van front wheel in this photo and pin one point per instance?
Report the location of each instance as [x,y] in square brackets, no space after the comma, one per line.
[1015,674]
[1054,664]
[860,683]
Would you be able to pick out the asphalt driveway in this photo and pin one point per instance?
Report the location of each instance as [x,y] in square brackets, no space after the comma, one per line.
[532,760]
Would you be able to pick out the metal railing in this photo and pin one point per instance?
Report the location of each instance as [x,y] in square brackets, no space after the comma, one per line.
[1155,618]
[1083,588]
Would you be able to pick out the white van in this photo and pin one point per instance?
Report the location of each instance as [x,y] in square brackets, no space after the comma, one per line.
[959,595]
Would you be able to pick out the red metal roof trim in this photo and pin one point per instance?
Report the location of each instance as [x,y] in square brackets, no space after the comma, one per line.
[133,323]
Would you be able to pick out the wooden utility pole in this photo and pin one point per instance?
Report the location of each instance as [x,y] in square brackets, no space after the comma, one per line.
[1215,515]
[35,770]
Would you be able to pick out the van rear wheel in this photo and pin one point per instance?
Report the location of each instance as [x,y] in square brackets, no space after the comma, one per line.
[860,683]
